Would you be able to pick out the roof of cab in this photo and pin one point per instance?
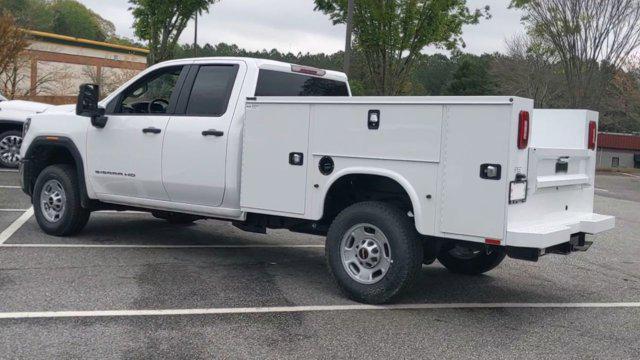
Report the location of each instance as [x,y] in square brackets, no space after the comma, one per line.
[260,64]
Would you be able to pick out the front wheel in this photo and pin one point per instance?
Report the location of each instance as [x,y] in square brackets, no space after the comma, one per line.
[10,143]
[56,201]
[470,260]
[373,252]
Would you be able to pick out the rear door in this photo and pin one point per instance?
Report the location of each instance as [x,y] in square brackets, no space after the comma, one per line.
[195,145]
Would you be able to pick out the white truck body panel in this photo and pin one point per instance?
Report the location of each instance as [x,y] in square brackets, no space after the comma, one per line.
[432,147]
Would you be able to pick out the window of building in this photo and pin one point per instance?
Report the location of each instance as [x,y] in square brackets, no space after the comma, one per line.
[615,162]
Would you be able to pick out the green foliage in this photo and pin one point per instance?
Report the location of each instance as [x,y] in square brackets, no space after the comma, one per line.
[390,34]
[472,76]
[74,19]
[64,17]
[161,22]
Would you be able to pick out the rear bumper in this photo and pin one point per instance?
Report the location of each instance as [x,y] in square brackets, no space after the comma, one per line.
[556,230]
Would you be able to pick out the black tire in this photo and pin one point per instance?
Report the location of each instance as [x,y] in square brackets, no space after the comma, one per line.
[12,162]
[485,259]
[74,217]
[175,218]
[405,251]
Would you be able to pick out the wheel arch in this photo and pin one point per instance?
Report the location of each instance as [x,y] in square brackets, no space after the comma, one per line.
[386,176]
[50,150]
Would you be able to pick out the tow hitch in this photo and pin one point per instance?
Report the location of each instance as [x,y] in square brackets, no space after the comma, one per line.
[577,242]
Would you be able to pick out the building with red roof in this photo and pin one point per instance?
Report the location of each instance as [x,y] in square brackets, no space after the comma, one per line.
[618,151]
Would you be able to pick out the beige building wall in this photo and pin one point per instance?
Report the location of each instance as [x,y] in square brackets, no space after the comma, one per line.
[53,67]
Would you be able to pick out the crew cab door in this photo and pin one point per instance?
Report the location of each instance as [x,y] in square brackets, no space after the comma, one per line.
[195,146]
[124,157]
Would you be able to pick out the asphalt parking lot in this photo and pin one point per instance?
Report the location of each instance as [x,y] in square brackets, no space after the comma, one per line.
[131,286]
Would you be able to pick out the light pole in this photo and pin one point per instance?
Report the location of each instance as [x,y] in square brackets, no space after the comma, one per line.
[347,47]
[195,37]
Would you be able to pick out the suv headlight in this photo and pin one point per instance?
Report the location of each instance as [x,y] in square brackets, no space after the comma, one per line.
[25,127]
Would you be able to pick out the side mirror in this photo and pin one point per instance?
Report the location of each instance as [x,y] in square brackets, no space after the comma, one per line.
[87,105]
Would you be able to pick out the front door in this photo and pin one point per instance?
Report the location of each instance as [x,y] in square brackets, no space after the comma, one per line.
[195,146]
[124,157]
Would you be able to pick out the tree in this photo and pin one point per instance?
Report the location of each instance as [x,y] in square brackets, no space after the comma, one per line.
[29,14]
[161,22]
[529,69]
[12,43]
[586,34]
[390,34]
[74,19]
[472,76]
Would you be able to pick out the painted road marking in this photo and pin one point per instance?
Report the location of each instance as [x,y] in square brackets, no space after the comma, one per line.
[6,234]
[9,187]
[602,190]
[14,210]
[633,176]
[8,170]
[298,309]
[124,246]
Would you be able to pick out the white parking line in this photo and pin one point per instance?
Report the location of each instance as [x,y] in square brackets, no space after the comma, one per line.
[13,210]
[9,187]
[633,176]
[6,234]
[297,309]
[8,170]
[124,246]
[602,190]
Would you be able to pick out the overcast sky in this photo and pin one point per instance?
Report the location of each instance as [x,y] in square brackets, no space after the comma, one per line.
[292,25]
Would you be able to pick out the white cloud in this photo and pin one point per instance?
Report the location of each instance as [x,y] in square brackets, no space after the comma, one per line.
[293,25]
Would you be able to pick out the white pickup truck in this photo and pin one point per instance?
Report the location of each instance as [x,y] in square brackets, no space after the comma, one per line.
[393,182]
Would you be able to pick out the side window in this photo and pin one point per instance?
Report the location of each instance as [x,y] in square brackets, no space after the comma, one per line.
[277,83]
[211,90]
[151,95]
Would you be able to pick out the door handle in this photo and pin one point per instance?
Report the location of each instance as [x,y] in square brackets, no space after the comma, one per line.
[212,132]
[151,130]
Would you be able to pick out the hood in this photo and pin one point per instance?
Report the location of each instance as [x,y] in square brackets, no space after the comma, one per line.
[70,108]
[21,105]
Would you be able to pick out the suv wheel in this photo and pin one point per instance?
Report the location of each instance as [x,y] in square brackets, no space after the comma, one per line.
[373,252]
[10,143]
[56,201]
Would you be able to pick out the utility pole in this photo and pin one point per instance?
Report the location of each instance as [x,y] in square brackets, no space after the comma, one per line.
[195,37]
[347,47]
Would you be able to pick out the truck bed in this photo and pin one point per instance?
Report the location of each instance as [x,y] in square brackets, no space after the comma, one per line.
[435,148]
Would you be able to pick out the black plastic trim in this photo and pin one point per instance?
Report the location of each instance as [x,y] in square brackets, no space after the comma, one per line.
[28,177]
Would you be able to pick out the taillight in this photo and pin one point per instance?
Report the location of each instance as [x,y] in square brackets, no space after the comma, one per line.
[593,135]
[524,126]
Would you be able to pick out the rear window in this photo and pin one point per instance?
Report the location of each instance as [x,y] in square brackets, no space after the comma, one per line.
[277,83]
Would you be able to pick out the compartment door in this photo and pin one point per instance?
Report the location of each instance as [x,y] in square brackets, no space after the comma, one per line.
[275,136]
[473,136]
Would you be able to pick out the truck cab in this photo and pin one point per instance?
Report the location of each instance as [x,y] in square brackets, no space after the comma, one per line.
[392,182]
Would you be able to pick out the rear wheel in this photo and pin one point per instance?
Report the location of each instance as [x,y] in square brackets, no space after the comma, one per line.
[373,252]
[470,260]
[10,143]
[56,201]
